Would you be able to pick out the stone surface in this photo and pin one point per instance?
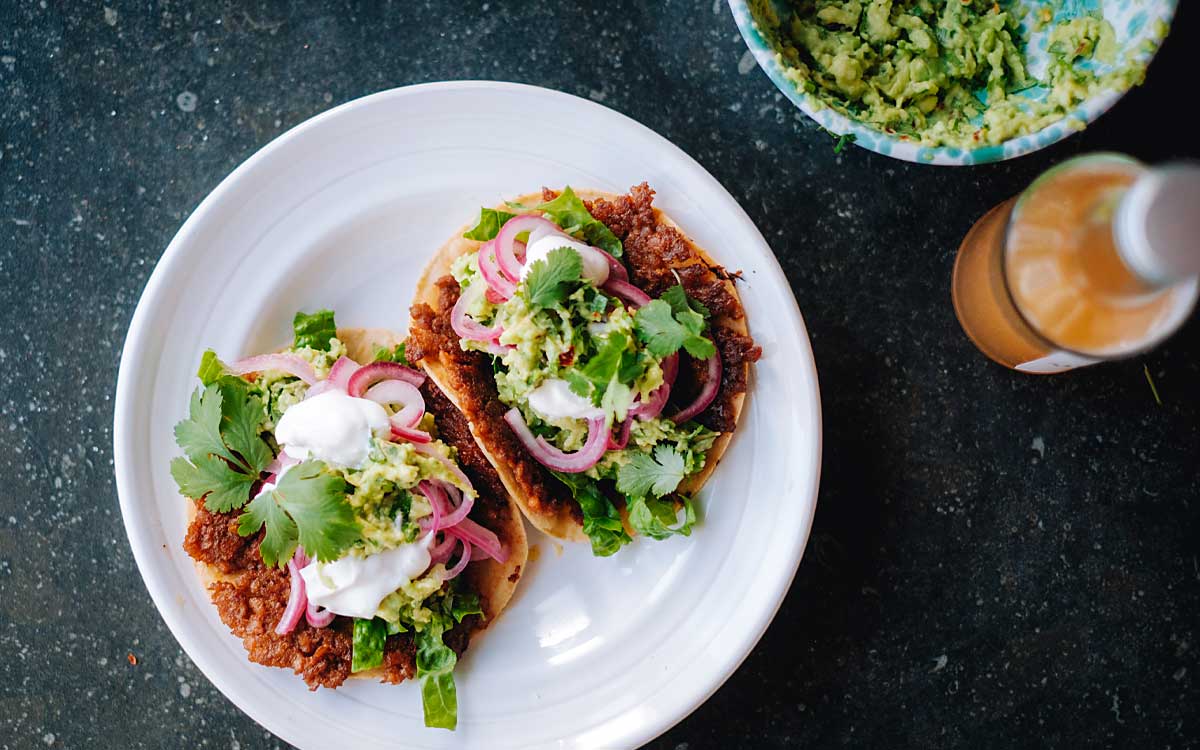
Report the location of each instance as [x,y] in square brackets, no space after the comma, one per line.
[997,561]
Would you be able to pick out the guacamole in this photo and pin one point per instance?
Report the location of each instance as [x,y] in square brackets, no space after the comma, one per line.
[944,72]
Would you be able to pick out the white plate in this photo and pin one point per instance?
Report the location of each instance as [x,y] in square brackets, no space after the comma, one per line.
[342,211]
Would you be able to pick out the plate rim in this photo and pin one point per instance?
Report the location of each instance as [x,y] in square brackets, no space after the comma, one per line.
[132,351]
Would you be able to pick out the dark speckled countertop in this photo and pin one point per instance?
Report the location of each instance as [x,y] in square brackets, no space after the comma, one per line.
[998,560]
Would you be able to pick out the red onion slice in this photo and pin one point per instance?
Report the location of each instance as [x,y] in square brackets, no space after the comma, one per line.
[276,467]
[286,363]
[626,291]
[622,439]
[615,269]
[339,374]
[551,457]
[369,375]
[437,502]
[712,383]
[461,565]
[456,516]
[487,542]
[399,392]
[653,407]
[489,269]
[416,437]
[440,552]
[297,601]
[462,323]
[318,617]
[506,254]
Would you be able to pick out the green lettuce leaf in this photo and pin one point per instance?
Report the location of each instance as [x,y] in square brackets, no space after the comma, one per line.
[314,331]
[568,211]
[367,646]
[601,521]
[658,518]
[488,226]
[435,670]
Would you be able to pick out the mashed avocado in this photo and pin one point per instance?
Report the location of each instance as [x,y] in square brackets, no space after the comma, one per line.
[943,72]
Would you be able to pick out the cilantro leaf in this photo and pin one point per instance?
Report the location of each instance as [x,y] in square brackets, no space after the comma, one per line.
[435,669]
[658,475]
[367,644]
[241,426]
[488,226]
[314,331]
[308,507]
[680,301]
[279,544]
[210,478]
[569,212]
[665,331]
[601,521]
[220,438]
[549,280]
[658,518]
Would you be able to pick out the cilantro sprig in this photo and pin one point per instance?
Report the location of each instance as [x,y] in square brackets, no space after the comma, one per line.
[673,322]
[308,508]
[656,475]
[550,281]
[225,454]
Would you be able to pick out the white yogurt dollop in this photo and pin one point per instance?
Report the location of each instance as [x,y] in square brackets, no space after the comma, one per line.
[595,265]
[331,427]
[553,399]
[355,586]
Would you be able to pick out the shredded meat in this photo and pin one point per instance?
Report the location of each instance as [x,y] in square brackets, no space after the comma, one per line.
[659,257]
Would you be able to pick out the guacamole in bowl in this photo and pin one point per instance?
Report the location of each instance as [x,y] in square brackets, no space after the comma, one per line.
[954,81]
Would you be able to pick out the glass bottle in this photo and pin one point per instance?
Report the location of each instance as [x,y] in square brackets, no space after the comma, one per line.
[1098,259]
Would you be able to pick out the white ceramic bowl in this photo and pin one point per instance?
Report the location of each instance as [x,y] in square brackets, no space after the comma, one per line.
[1140,26]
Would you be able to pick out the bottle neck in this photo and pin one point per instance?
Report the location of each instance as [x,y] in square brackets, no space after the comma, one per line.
[1156,226]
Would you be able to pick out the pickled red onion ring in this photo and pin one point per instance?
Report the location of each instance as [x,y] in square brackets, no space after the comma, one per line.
[618,443]
[286,363]
[653,407]
[626,291]
[489,269]
[414,436]
[506,253]
[464,325]
[551,457]
[712,383]
[487,541]
[368,375]
[297,600]
[463,560]
[399,392]
[318,617]
[339,374]
[615,269]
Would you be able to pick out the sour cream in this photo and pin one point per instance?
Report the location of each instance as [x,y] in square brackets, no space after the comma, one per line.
[553,399]
[595,265]
[331,427]
[355,586]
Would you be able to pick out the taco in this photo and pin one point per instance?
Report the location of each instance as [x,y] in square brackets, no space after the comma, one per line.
[600,356]
[342,518]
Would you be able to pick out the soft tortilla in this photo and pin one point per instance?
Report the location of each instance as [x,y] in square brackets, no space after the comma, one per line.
[494,581]
[560,524]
